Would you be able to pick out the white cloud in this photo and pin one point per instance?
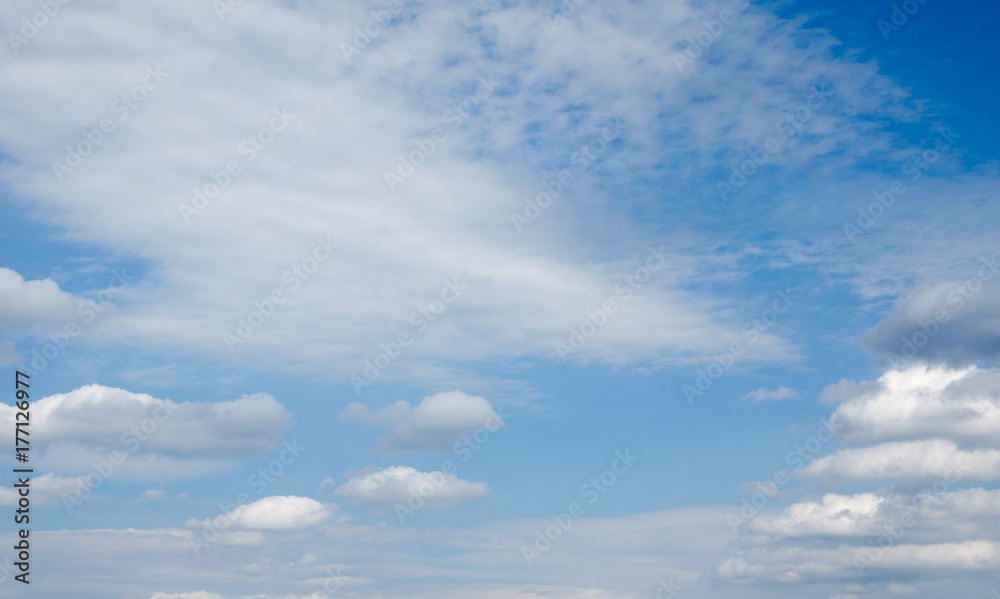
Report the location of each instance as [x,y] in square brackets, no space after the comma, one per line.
[396,485]
[932,428]
[27,304]
[802,564]
[930,516]
[907,460]
[275,513]
[388,560]
[484,591]
[452,218]
[437,422]
[779,394]
[962,405]
[96,415]
[141,437]
[836,515]
[498,591]
[46,490]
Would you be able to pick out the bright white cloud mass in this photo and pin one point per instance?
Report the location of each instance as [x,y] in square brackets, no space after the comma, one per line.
[275,513]
[373,299]
[95,428]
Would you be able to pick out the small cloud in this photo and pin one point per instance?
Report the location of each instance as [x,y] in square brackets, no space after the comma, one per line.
[779,394]
[395,485]
[153,495]
[276,513]
[327,482]
[437,422]
[181,496]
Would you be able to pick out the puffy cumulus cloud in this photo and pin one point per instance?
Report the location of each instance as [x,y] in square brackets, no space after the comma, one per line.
[836,515]
[27,304]
[929,516]
[140,437]
[275,513]
[956,322]
[395,485]
[99,416]
[922,401]
[932,428]
[906,460]
[779,394]
[46,490]
[437,422]
[916,423]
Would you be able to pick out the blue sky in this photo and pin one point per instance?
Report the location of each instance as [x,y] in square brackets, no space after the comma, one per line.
[337,254]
